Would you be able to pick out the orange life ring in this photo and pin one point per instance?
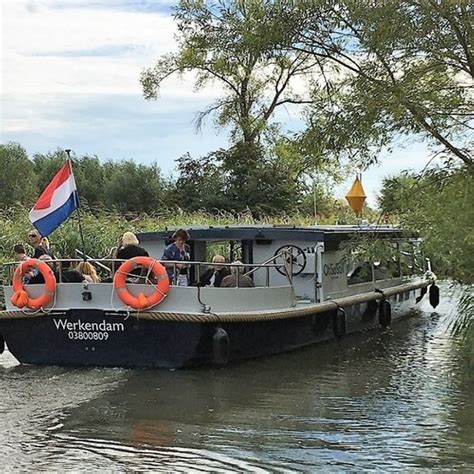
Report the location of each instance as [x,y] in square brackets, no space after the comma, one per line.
[20,297]
[142,301]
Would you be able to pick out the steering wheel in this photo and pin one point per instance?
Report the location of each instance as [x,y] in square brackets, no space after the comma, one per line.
[294,257]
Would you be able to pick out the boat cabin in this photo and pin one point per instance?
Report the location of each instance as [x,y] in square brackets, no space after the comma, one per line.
[313,257]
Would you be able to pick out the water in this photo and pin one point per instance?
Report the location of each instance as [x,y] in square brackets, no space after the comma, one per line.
[396,400]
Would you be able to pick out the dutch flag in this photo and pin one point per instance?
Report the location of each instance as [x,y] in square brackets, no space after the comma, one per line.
[57,202]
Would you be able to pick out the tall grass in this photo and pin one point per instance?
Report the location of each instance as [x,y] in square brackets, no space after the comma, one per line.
[101,228]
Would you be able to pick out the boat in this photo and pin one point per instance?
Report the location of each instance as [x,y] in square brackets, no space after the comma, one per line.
[307,289]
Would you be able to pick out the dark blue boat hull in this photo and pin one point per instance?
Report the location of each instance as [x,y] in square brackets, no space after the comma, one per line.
[94,338]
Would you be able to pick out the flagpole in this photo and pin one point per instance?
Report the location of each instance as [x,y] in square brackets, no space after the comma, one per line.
[76,198]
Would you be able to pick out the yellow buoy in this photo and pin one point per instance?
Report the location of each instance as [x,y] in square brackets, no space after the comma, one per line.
[356,196]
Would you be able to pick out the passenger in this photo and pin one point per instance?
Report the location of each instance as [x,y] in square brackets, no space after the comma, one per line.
[237,278]
[70,275]
[36,241]
[45,243]
[215,274]
[129,248]
[88,271]
[178,251]
[20,254]
[67,275]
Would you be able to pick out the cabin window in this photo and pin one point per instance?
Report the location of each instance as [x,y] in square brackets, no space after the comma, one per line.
[359,273]
[386,269]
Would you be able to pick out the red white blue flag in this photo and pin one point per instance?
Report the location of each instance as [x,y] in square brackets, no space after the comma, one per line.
[57,202]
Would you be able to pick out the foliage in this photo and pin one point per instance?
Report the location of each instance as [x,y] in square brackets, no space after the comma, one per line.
[17,178]
[242,46]
[130,186]
[438,205]
[102,228]
[402,67]
[396,192]
[201,184]
[124,185]
[237,44]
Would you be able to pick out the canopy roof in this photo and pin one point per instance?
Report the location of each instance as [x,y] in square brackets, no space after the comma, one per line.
[330,235]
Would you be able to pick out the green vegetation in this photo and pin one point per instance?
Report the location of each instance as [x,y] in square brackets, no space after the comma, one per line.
[358,75]
[437,205]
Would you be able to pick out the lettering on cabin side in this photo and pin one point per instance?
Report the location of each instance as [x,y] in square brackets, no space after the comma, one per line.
[92,331]
[334,270]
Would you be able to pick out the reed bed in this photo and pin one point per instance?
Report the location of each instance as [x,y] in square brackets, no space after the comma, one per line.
[101,228]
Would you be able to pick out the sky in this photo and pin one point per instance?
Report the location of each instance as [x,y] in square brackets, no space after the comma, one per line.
[70,79]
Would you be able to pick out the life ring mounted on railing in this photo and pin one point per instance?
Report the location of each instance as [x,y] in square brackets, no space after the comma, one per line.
[142,301]
[20,296]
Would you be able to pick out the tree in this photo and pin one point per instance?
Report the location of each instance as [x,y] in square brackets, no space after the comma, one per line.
[201,184]
[46,166]
[397,192]
[131,187]
[17,179]
[90,179]
[402,67]
[437,205]
[242,46]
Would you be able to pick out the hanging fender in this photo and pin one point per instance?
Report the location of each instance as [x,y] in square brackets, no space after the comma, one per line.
[434,295]
[339,322]
[422,293]
[385,313]
[220,347]
[385,310]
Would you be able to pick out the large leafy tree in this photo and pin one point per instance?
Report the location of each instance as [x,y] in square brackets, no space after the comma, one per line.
[437,205]
[131,187]
[392,68]
[396,192]
[201,184]
[243,47]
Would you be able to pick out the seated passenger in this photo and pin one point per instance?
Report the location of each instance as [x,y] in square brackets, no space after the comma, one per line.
[215,274]
[20,254]
[237,278]
[67,276]
[88,271]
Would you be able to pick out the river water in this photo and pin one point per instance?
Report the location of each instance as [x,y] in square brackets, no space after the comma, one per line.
[401,399]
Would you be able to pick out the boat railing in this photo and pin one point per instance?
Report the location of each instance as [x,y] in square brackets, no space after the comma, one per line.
[110,266]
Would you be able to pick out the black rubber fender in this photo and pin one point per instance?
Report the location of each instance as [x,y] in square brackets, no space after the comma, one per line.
[2,344]
[339,323]
[385,313]
[434,295]
[220,347]
[370,310]
[422,293]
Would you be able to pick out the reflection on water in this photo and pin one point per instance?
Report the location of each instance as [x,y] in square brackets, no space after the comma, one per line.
[392,400]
